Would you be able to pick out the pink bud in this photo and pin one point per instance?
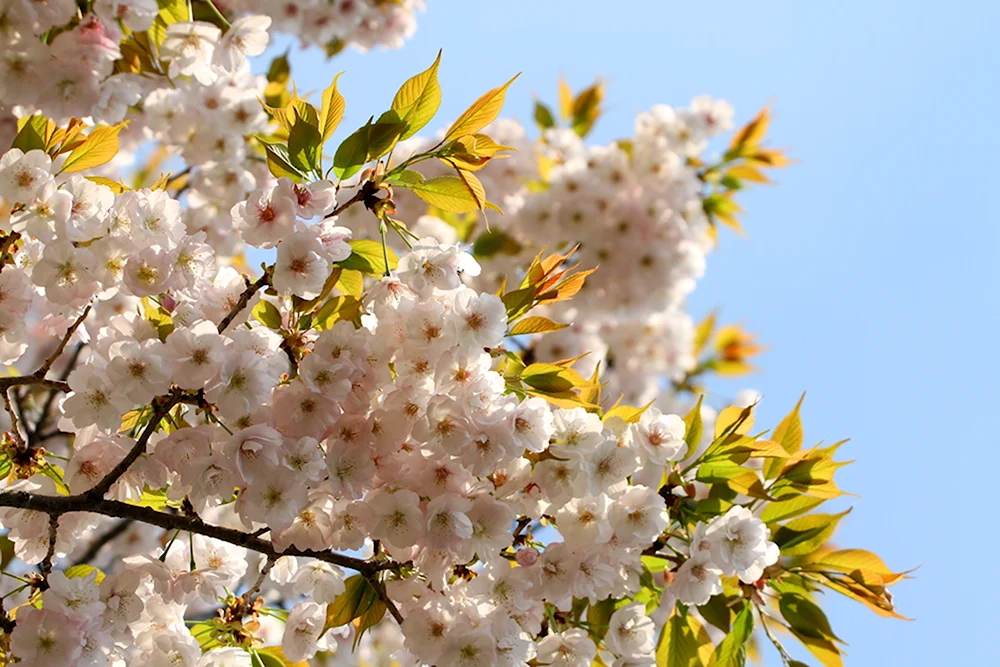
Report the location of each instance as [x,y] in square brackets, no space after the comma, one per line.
[527,557]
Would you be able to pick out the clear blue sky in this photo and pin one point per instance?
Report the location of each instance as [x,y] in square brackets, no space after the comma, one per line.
[871,268]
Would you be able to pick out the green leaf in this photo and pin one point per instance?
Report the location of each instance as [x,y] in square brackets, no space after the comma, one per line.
[805,616]
[171,11]
[598,617]
[337,309]
[543,116]
[56,474]
[718,612]
[356,599]
[332,110]
[448,193]
[806,534]
[278,76]
[587,108]
[495,242]
[352,154]
[683,642]
[535,325]
[786,509]
[482,112]
[369,619]
[552,378]
[153,498]
[267,314]
[99,147]
[33,134]
[384,134]
[304,142]
[405,178]
[207,633]
[279,162]
[418,99]
[695,427]
[366,257]
[732,651]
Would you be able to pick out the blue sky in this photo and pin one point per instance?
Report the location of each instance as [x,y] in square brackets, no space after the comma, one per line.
[870,270]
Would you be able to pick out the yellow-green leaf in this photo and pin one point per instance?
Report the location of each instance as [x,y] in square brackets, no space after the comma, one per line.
[352,154]
[83,570]
[304,143]
[351,283]
[448,193]
[695,427]
[732,650]
[267,314]
[807,533]
[332,110]
[273,656]
[418,99]
[33,133]
[114,186]
[629,413]
[535,325]
[366,257]
[552,378]
[100,146]
[482,112]
[683,642]
[356,599]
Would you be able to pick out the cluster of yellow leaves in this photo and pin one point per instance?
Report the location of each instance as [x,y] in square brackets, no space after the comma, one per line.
[579,111]
[83,151]
[547,280]
[743,163]
[790,483]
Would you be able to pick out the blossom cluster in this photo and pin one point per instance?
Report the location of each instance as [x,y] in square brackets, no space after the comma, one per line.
[361,24]
[635,209]
[228,450]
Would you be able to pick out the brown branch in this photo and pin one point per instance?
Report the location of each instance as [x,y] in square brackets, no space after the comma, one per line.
[375,583]
[162,406]
[84,502]
[95,548]
[46,565]
[38,377]
[248,596]
[358,196]
[252,288]
[14,428]
[43,416]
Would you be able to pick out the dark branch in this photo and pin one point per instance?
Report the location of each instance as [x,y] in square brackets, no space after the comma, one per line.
[252,288]
[86,503]
[95,547]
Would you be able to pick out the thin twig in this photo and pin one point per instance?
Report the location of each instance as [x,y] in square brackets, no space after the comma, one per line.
[252,288]
[268,564]
[358,196]
[15,429]
[95,547]
[46,565]
[38,377]
[786,658]
[33,437]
